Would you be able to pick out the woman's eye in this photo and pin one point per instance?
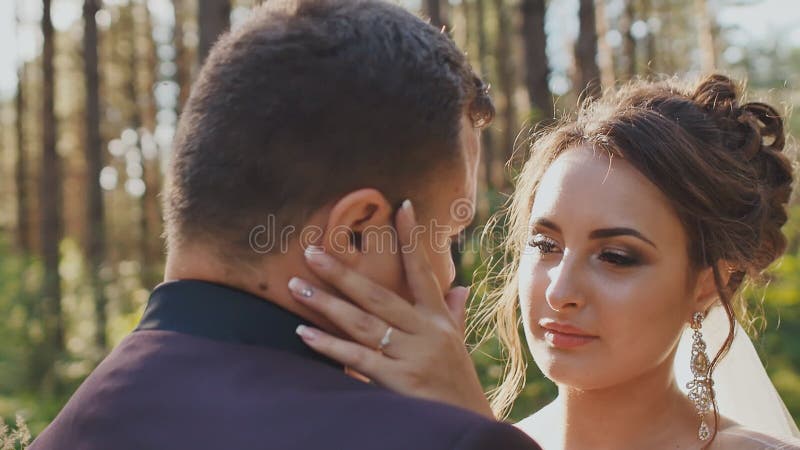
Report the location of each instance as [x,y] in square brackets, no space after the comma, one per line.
[543,244]
[618,259]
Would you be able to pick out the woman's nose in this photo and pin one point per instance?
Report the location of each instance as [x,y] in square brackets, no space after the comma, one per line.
[564,290]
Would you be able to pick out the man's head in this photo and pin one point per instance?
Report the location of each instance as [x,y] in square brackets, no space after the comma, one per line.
[311,101]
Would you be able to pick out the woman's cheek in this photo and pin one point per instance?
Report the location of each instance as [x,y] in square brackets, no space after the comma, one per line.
[532,282]
[525,284]
[640,326]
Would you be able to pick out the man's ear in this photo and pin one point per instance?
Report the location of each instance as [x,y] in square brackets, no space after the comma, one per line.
[353,218]
[706,292]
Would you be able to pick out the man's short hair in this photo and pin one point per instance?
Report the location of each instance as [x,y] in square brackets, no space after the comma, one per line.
[311,99]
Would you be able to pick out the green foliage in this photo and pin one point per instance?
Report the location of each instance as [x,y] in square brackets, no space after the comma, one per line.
[778,319]
[18,278]
[20,337]
[21,331]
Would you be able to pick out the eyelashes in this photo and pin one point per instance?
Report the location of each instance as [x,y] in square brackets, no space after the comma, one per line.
[542,243]
[618,259]
[545,245]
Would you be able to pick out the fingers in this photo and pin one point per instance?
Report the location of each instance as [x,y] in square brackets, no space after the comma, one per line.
[362,359]
[419,273]
[370,296]
[361,326]
[456,301]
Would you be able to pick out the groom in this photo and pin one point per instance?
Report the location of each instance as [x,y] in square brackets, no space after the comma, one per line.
[309,124]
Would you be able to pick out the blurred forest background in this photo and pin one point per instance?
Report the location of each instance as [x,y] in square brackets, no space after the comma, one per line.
[90,92]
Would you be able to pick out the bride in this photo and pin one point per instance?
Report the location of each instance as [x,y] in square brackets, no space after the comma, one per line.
[630,234]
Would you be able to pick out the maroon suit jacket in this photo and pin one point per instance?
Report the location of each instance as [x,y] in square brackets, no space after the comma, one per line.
[211,367]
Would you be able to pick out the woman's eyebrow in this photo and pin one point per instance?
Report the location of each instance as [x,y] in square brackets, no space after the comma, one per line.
[547,223]
[619,231]
[602,233]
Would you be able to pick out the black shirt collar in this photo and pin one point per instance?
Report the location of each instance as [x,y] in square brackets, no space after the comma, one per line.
[223,313]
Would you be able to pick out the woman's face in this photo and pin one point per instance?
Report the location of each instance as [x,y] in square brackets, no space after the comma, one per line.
[604,280]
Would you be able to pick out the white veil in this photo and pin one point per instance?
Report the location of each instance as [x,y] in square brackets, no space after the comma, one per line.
[744,392]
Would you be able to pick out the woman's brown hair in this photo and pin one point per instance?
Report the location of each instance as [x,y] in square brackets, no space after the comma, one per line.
[720,163]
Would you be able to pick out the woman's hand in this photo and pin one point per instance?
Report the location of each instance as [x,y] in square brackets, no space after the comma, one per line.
[412,347]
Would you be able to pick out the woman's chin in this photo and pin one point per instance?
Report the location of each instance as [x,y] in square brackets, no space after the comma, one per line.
[574,369]
[580,380]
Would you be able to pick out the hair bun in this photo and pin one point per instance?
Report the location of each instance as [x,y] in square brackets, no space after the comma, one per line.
[754,134]
[743,127]
[751,130]
[716,91]
[769,124]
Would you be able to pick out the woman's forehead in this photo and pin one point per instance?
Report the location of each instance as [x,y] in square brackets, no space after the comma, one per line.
[587,186]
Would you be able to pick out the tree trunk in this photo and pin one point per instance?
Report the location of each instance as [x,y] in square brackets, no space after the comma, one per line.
[483,207]
[705,33]
[605,54]
[51,201]
[483,58]
[150,223]
[135,122]
[433,9]
[96,239]
[648,13]
[506,82]
[183,74]
[628,42]
[466,11]
[21,169]
[213,18]
[587,73]
[537,64]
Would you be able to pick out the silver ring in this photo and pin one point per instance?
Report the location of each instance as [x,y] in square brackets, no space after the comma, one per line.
[386,340]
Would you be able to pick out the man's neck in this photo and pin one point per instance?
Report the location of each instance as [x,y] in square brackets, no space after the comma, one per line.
[266,278]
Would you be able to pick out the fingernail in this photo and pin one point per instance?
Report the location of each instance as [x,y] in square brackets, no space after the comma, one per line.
[307,333]
[314,249]
[409,208]
[301,288]
[318,257]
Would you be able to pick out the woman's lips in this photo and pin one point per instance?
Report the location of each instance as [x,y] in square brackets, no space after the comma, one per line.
[566,340]
[563,335]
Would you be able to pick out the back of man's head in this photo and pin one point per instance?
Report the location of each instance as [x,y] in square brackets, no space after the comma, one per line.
[307,101]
